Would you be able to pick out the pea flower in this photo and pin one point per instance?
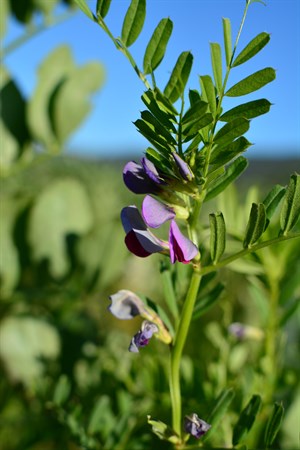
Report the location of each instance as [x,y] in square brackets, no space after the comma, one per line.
[126,305]
[142,178]
[195,426]
[141,242]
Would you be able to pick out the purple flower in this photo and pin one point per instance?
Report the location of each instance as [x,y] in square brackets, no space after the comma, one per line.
[142,179]
[142,337]
[183,168]
[195,426]
[141,242]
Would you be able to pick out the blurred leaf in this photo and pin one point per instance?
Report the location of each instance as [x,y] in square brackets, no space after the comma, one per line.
[22,10]
[290,311]
[246,419]
[179,76]
[133,22]
[273,425]
[248,110]
[216,59]
[3,17]
[290,426]
[207,300]
[102,7]
[222,154]
[217,236]
[70,104]
[231,173]
[256,224]
[157,45]
[84,8]
[290,210]
[45,7]
[272,201]
[163,431]
[219,410]
[233,129]
[62,208]
[252,48]
[24,341]
[252,83]
[227,39]
[208,92]
[102,419]
[62,391]
[9,149]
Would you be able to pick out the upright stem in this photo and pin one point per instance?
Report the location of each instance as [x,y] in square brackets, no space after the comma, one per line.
[176,352]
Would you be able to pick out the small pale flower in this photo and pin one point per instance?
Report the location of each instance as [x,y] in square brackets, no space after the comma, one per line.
[142,338]
[195,426]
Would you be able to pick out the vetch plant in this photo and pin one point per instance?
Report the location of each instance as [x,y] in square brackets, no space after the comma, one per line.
[196,152]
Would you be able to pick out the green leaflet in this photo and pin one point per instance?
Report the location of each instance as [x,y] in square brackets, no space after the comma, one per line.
[221,405]
[84,8]
[194,96]
[233,129]
[252,48]
[290,210]
[272,200]
[256,224]
[231,173]
[179,76]
[163,431]
[248,110]
[157,126]
[227,39]
[246,419]
[148,131]
[159,160]
[157,45]
[208,92]
[194,112]
[252,83]
[273,424]
[133,22]
[191,129]
[222,154]
[195,118]
[159,111]
[217,236]
[102,7]
[216,60]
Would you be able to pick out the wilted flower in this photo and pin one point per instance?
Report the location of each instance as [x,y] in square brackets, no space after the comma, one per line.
[195,426]
[141,339]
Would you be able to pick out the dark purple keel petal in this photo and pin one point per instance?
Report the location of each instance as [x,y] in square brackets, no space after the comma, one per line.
[156,213]
[137,180]
[184,169]
[181,248]
[195,426]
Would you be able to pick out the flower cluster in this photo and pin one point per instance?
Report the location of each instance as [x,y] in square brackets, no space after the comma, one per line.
[144,178]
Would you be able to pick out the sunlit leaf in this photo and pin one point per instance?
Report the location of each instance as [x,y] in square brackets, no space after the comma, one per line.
[248,110]
[194,127]
[246,419]
[222,154]
[148,131]
[208,92]
[102,7]
[159,110]
[179,76]
[157,45]
[252,83]
[256,224]
[133,22]
[290,210]
[84,8]
[233,129]
[217,236]
[274,424]
[227,39]
[252,48]
[216,59]
[158,127]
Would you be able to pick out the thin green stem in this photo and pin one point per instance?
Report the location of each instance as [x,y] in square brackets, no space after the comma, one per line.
[176,351]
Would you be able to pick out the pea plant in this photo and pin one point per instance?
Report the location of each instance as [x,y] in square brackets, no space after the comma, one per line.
[196,151]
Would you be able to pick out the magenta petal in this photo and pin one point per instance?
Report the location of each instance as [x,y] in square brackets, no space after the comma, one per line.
[156,213]
[181,248]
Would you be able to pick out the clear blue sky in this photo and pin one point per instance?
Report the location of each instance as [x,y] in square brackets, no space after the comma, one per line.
[109,131]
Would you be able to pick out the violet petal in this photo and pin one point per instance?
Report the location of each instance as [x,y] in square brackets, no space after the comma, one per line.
[181,248]
[156,213]
[151,171]
[184,169]
[137,180]
[195,426]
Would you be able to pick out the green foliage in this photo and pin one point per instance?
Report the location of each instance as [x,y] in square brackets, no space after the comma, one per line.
[217,236]
[273,424]
[157,45]
[102,7]
[254,46]
[252,83]
[290,211]
[133,22]
[246,419]
[179,76]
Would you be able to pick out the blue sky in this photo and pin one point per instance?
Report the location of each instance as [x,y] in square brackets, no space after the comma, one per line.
[109,131]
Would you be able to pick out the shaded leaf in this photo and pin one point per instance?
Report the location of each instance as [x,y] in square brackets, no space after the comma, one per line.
[159,110]
[148,131]
[207,301]
[252,83]
[233,129]
[290,210]
[217,236]
[219,410]
[23,11]
[252,48]
[222,154]
[133,22]
[256,224]
[274,424]
[157,45]
[227,40]
[102,7]
[232,172]
[248,110]
[160,161]
[179,76]
[102,419]
[216,59]
[163,431]
[194,96]
[62,390]
[246,419]
[208,92]
[192,128]
[158,127]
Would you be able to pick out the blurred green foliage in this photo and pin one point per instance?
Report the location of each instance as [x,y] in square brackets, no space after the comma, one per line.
[68,381]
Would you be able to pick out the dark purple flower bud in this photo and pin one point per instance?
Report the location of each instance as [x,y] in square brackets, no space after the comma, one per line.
[156,213]
[183,168]
[142,179]
[195,426]
[181,248]
[141,339]
[139,240]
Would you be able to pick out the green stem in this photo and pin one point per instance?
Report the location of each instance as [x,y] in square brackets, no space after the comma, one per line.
[176,352]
